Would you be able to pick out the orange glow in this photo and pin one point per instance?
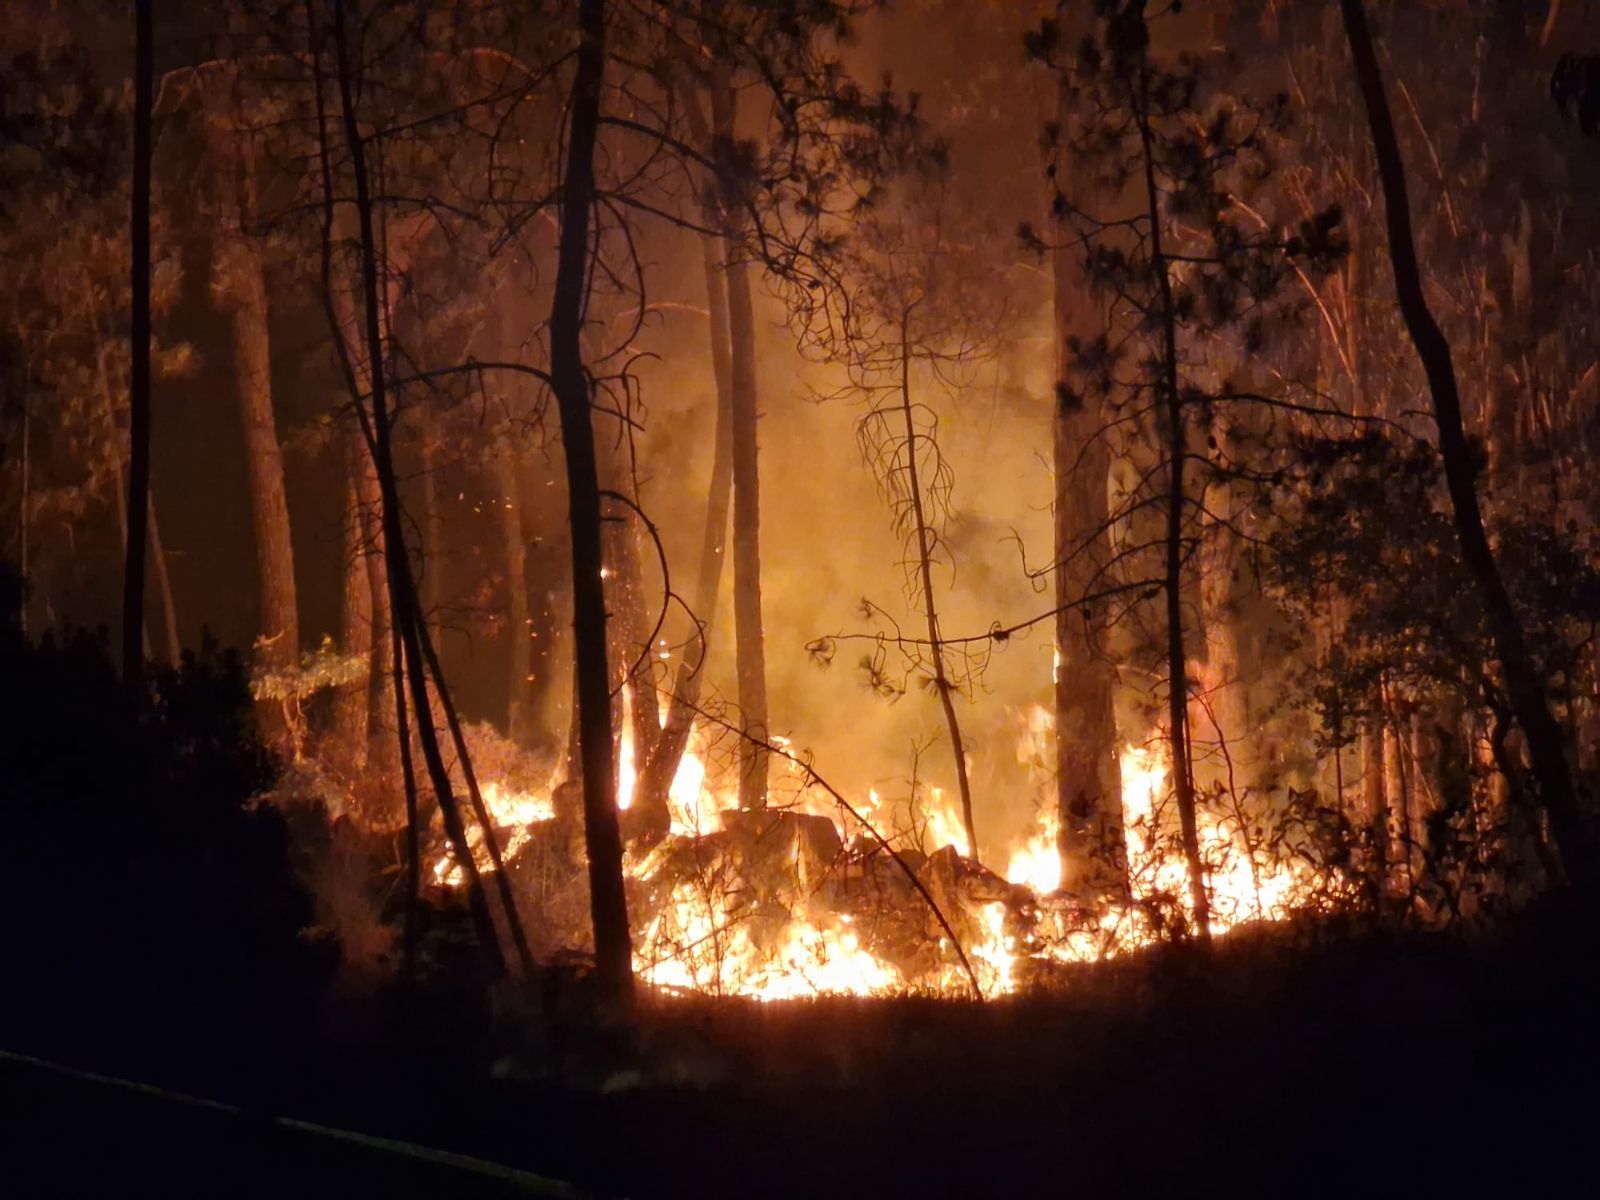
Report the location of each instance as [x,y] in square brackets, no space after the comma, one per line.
[709,932]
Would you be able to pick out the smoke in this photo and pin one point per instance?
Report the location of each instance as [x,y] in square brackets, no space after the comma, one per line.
[828,544]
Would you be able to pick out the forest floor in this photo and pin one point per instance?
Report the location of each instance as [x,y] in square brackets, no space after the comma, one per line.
[1384,1063]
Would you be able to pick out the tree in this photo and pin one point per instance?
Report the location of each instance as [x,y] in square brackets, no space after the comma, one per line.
[366,377]
[1159,204]
[925,313]
[139,334]
[230,108]
[1088,774]
[1546,743]
[569,382]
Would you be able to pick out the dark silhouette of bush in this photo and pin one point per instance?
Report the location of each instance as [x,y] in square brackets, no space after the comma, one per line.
[141,892]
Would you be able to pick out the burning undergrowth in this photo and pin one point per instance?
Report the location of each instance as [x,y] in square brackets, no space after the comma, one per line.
[817,895]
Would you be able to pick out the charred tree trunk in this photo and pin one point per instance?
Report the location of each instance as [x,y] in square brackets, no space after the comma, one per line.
[1092,842]
[138,503]
[1171,403]
[570,383]
[655,778]
[1547,748]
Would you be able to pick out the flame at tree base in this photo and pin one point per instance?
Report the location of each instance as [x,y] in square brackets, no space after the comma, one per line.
[779,905]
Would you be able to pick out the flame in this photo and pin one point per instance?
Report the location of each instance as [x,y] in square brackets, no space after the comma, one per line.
[701,940]
[943,824]
[627,772]
[711,934]
[518,811]
[1036,864]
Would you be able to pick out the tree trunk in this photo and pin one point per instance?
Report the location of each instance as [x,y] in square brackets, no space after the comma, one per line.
[279,631]
[748,631]
[352,702]
[635,658]
[1546,741]
[371,561]
[169,606]
[432,518]
[1171,402]
[655,779]
[404,604]
[138,505]
[749,636]
[1225,706]
[1398,787]
[930,608]
[1374,812]
[121,489]
[570,383]
[1092,842]
[520,647]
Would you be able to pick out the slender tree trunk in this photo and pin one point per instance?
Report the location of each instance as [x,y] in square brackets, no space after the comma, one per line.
[480,811]
[352,703]
[748,632]
[1546,741]
[1226,708]
[520,657]
[404,603]
[749,636]
[1171,398]
[169,606]
[632,625]
[570,383]
[24,506]
[138,506]
[930,609]
[432,522]
[655,779]
[1399,792]
[1424,796]
[1092,842]
[372,556]
[408,779]
[121,490]
[1374,810]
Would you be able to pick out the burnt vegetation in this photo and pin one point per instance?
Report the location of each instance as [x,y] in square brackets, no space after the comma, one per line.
[624,597]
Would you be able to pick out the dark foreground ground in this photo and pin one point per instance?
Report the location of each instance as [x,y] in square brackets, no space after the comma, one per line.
[1424,1065]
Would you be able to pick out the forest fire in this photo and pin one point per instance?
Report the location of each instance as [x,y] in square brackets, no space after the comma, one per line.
[787,929]
[815,578]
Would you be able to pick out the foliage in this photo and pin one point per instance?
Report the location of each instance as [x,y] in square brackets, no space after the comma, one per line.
[142,884]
